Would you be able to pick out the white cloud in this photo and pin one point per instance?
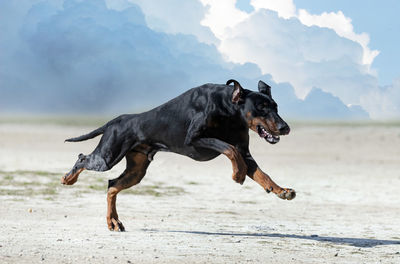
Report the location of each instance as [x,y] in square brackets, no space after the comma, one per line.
[306,50]
[222,15]
[341,24]
[284,8]
[343,27]
[291,52]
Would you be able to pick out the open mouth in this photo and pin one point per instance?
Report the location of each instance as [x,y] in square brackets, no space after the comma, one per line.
[262,132]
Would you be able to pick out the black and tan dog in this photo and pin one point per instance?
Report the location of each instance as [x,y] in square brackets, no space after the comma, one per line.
[202,123]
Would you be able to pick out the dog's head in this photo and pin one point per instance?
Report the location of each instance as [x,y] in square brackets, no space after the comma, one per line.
[260,111]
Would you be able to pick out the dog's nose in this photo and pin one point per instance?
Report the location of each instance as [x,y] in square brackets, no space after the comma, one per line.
[284,129]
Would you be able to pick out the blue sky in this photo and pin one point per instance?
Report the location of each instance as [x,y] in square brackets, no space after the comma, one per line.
[332,59]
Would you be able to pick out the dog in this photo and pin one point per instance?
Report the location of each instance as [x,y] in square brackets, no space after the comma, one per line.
[201,123]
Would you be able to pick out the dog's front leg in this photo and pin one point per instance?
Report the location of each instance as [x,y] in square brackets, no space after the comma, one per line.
[239,166]
[255,173]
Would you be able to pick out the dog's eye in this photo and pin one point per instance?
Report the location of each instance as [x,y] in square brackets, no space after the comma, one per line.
[260,107]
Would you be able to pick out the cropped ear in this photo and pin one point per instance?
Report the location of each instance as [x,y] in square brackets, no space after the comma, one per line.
[237,91]
[264,88]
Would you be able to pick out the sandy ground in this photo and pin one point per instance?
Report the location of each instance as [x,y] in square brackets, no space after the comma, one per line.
[346,211]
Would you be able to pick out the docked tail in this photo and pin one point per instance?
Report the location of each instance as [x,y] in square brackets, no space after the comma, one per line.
[90,135]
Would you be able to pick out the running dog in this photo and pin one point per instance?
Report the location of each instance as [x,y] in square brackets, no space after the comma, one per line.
[201,123]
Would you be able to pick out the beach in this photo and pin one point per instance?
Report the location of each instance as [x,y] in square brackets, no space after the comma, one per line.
[347,179]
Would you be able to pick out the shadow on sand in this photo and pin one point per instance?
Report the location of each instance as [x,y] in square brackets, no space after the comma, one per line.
[355,242]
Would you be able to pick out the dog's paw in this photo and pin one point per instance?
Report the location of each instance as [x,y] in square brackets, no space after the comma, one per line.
[69,179]
[239,177]
[115,225]
[287,194]
[239,172]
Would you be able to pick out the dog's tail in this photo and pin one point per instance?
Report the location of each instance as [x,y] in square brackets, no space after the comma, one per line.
[90,135]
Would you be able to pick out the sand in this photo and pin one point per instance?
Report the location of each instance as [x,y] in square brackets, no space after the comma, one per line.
[347,207]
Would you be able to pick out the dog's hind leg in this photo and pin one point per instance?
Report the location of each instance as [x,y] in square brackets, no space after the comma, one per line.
[110,150]
[136,166]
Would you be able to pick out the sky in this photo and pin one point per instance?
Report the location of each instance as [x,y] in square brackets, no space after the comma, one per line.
[323,59]
[377,18]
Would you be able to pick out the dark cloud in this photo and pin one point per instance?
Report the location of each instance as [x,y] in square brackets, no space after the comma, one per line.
[86,57]
[80,56]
